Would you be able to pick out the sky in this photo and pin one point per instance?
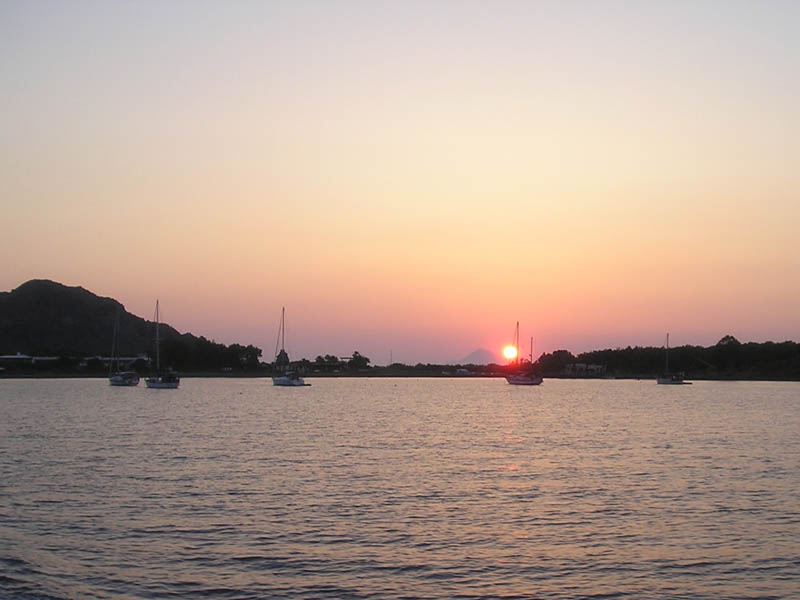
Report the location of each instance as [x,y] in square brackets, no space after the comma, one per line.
[410,179]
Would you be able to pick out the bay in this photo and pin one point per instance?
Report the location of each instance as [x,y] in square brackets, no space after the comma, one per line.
[399,488]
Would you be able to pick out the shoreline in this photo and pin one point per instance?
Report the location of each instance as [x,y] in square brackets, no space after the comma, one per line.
[383,375]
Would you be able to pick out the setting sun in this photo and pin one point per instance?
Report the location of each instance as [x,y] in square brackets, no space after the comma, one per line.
[510,352]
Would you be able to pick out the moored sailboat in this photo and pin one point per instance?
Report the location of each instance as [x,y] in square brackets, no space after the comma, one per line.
[523,376]
[670,378]
[164,381]
[283,375]
[116,376]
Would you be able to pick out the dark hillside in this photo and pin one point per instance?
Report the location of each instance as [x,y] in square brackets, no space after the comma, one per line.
[45,318]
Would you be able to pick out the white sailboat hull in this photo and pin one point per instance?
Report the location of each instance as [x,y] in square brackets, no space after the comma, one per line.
[524,379]
[124,378]
[286,381]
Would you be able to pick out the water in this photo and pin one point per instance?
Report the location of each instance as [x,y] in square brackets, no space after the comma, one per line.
[399,488]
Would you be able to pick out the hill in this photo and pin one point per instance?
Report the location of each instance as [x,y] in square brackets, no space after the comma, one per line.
[42,317]
[46,318]
[481,356]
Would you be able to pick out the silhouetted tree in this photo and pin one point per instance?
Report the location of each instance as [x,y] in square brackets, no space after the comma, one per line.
[358,361]
[555,362]
[727,353]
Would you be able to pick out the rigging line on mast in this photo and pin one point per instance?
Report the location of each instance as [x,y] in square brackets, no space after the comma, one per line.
[280,332]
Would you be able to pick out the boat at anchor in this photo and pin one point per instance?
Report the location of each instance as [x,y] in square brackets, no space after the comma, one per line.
[523,376]
[670,378]
[283,375]
[161,381]
[117,376]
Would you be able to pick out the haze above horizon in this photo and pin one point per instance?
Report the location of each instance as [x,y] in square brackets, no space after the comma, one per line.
[411,178]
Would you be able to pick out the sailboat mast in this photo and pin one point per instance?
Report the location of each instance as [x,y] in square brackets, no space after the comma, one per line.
[158,343]
[281,335]
[531,349]
[516,341]
[114,345]
[666,356]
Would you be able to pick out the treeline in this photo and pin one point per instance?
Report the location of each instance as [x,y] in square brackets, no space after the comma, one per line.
[200,354]
[330,364]
[186,355]
[727,359]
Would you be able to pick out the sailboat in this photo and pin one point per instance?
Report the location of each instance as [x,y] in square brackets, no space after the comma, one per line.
[284,376]
[523,377]
[168,380]
[116,376]
[670,378]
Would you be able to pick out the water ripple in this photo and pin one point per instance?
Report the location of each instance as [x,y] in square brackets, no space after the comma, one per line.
[399,489]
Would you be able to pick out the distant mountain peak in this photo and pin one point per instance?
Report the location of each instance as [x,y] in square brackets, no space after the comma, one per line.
[481,356]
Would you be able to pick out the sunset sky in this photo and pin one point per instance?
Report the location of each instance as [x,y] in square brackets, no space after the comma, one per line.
[412,177]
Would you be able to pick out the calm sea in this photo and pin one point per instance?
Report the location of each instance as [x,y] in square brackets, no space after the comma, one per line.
[399,488]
